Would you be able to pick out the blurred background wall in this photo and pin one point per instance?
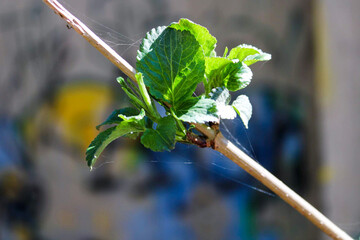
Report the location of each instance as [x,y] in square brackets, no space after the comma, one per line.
[55,88]
[338,90]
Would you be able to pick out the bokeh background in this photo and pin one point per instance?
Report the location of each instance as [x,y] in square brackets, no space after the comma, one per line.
[55,88]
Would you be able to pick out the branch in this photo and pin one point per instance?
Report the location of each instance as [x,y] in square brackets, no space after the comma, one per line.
[288,195]
[92,38]
[220,143]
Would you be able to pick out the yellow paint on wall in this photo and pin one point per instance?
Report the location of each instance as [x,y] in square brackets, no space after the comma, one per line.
[326,174]
[79,108]
[322,56]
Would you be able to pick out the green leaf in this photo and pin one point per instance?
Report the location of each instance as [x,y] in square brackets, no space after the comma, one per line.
[132,118]
[99,143]
[198,110]
[172,63]
[114,116]
[133,135]
[163,137]
[248,54]
[129,125]
[150,38]
[201,34]
[225,52]
[231,74]
[213,70]
[222,97]
[237,76]
[243,107]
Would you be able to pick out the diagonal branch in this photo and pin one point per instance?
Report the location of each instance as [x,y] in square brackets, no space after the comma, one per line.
[219,142]
[92,38]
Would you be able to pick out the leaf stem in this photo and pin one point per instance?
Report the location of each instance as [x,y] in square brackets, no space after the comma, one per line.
[135,101]
[179,122]
[133,86]
[144,93]
[181,139]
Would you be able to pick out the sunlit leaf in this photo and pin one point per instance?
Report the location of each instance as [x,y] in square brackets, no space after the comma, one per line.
[199,110]
[223,72]
[172,63]
[248,54]
[243,107]
[201,34]
[222,98]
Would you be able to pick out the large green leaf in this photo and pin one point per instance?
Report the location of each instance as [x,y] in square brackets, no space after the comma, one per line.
[248,54]
[163,137]
[128,125]
[201,34]
[199,110]
[172,63]
[243,107]
[223,72]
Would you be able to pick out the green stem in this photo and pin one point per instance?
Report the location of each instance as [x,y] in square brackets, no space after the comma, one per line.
[133,86]
[151,108]
[134,99]
[180,124]
[154,110]
[180,139]
[144,93]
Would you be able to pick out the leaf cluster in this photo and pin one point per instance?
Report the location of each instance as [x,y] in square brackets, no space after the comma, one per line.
[172,62]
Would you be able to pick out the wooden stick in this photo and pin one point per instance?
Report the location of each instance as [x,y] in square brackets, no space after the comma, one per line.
[288,195]
[221,144]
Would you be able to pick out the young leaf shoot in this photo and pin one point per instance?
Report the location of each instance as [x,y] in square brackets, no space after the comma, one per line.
[172,62]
